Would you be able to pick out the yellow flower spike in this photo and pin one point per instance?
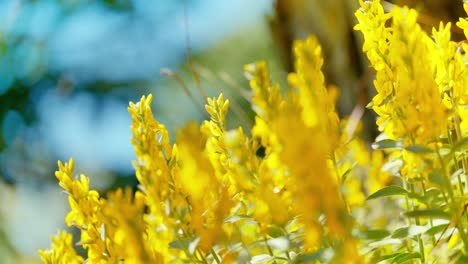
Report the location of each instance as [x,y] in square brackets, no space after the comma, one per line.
[62,250]
[209,200]
[408,101]
[65,174]
[266,99]
[125,227]
[463,23]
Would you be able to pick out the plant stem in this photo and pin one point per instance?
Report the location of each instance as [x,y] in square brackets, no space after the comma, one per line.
[420,241]
[269,248]
[423,187]
[215,256]
[459,226]
[459,137]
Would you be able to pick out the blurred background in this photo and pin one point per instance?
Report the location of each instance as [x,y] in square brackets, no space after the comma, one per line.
[68,69]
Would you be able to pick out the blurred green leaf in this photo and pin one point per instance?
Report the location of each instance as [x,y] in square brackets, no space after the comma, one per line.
[375,234]
[388,191]
[308,258]
[418,149]
[275,231]
[385,242]
[462,260]
[460,145]
[409,231]
[437,178]
[181,244]
[390,256]
[386,144]
[436,229]
[405,257]
[434,213]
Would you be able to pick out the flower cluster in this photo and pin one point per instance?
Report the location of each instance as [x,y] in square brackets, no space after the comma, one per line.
[294,188]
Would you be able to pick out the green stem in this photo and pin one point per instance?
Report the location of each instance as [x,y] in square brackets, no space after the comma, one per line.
[423,187]
[269,248]
[448,183]
[459,137]
[201,256]
[215,256]
[420,241]
[340,183]
[459,226]
[457,167]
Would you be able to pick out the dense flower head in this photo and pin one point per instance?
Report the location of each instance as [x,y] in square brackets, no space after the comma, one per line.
[62,250]
[408,101]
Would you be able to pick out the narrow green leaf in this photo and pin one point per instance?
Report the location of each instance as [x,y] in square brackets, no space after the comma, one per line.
[436,229]
[310,257]
[434,213]
[385,242]
[460,145]
[180,244]
[345,174]
[462,260]
[405,257]
[275,231]
[418,149]
[400,232]
[375,234]
[417,196]
[437,178]
[409,231]
[388,191]
[386,144]
[390,256]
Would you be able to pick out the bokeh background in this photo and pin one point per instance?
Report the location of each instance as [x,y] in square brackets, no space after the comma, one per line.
[68,69]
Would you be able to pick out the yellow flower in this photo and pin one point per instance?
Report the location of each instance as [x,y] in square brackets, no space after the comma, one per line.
[463,23]
[408,100]
[125,229]
[62,250]
[207,195]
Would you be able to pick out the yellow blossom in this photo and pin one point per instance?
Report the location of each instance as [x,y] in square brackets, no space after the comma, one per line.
[62,250]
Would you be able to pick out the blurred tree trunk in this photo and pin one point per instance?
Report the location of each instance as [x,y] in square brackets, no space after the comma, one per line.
[431,12]
[332,22]
[344,63]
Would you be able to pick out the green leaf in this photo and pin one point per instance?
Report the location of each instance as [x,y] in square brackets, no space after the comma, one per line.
[409,231]
[418,149]
[310,257]
[437,178]
[405,257]
[462,259]
[400,232]
[434,213]
[417,196]
[375,234]
[436,229]
[460,145]
[388,191]
[384,257]
[386,144]
[385,242]
[275,231]
[345,174]
[181,244]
